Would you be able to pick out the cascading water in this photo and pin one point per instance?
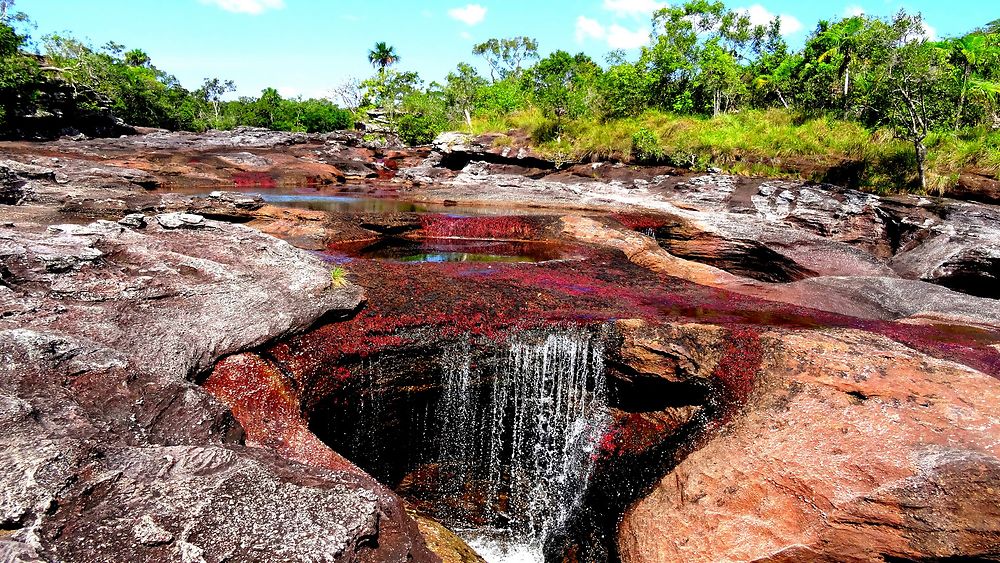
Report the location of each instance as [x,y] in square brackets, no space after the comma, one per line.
[521,443]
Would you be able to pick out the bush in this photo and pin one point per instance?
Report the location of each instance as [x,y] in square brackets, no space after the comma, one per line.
[321,116]
[646,146]
[418,129]
[500,98]
[424,117]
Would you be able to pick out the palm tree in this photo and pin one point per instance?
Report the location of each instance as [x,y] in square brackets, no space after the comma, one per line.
[845,37]
[137,57]
[382,55]
[970,53]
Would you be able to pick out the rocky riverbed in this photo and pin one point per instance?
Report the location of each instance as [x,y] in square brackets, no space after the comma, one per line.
[778,371]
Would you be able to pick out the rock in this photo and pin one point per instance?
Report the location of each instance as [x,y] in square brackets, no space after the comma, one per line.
[975,186]
[109,446]
[179,220]
[245,159]
[458,149]
[149,534]
[961,250]
[133,220]
[832,461]
[220,205]
[12,188]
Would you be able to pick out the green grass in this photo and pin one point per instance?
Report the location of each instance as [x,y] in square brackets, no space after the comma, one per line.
[773,143]
[338,276]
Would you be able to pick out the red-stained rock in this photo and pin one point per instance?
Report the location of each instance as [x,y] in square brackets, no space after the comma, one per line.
[836,460]
[110,448]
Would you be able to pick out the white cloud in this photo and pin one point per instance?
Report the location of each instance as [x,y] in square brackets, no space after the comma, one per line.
[588,28]
[633,7]
[618,37]
[470,14]
[853,11]
[929,31]
[621,38]
[253,7]
[759,15]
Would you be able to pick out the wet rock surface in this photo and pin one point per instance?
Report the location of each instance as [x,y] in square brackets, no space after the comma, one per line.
[109,445]
[831,461]
[794,371]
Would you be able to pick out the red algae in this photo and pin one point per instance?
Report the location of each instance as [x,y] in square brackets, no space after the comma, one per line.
[737,369]
[253,180]
[267,407]
[492,228]
[640,221]
[631,434]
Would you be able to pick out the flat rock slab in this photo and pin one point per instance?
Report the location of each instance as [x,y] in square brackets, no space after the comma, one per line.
[110,446]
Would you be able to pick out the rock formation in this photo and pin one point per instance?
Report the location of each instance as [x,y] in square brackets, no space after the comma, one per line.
[795,372]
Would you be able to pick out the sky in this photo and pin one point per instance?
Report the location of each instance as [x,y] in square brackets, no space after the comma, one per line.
[307,47]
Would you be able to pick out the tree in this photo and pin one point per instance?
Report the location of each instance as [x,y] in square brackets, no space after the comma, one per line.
[19,77]
[845,39]
[699,52]
[970,53]
[625,90]
[350,93]
[918,76]
[212,91]
[561,85]
[137,57]
[387,89]
[506,55]
[460,91]
[382,56]
[720,74]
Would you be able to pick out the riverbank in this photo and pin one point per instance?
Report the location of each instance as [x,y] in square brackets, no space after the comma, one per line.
[173,328]
[771,143]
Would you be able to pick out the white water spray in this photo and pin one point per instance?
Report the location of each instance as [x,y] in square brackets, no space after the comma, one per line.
[526,438]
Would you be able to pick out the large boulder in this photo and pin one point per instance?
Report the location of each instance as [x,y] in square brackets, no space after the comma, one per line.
[112,448]
[894,458]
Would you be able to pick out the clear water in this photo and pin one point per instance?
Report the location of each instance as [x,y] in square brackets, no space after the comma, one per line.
[442,250]
[317,200]
[527,438]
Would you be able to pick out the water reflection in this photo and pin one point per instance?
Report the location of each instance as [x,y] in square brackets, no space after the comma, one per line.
[444,250]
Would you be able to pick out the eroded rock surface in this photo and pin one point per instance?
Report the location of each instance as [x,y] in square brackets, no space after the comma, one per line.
[109,445]
[806,374]
[835,461]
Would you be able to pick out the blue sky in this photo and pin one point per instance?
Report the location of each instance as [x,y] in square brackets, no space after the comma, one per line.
[306,47]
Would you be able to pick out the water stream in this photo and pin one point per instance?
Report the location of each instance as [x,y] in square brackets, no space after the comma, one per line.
[524,440]
[495,440]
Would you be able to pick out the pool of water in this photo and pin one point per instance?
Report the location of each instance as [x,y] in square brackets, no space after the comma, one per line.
[447,250]
[317,200]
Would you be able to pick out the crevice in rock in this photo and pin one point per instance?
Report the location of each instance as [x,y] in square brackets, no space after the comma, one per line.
[459,160]
[858,396]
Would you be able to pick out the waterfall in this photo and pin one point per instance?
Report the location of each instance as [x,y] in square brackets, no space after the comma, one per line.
[521,441]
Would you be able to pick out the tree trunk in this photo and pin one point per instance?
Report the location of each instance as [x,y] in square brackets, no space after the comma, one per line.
[921,151]
[782,98]
[847,86]
[961,98]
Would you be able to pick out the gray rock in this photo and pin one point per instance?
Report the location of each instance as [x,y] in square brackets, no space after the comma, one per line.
[111,450]
[133,220]
[180,220]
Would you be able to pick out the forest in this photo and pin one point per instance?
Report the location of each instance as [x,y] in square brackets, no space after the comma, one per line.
[902,111]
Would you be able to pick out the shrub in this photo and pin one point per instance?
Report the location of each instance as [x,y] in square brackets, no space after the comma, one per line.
[646,146]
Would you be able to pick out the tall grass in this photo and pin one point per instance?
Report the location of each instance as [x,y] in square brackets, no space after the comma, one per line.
[776,143]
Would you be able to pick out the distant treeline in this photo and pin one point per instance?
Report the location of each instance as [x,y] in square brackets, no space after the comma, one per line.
[703,60]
